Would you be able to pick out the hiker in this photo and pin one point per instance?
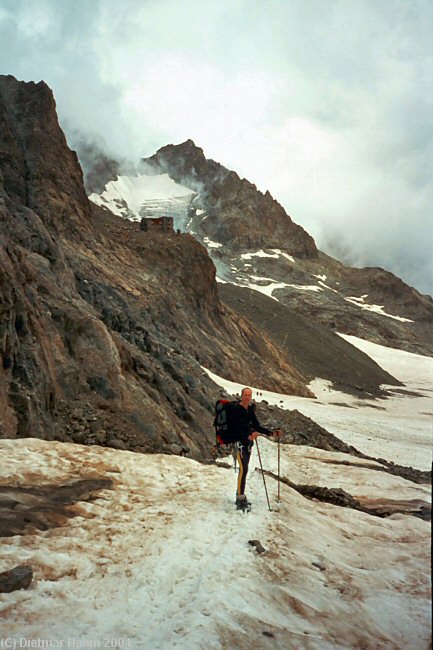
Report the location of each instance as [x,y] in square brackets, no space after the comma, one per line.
[244,428]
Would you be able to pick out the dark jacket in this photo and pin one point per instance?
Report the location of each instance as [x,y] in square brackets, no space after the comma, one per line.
[242,422]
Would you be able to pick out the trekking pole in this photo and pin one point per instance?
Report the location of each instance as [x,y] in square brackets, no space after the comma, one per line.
[261,467]
[278,471]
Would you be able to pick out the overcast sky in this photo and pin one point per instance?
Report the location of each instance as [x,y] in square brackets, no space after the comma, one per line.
[326,103]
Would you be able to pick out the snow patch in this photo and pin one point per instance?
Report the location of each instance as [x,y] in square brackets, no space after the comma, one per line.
[305,287]
[283,254]
[262,278]
[378,309]
[211,244]
[268,289]
[135,190]
[276,253]
[272,285]
[249,256]
[415,370]
[325,286]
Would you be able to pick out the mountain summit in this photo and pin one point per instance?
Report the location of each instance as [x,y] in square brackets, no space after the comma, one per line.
[237,213]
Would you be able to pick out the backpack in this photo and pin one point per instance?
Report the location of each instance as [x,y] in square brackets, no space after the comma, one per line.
[221,421]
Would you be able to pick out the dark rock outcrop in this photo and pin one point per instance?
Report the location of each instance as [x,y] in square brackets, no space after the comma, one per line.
[375,507]
[39,507]
[20,577]
[255,543]
[399,299]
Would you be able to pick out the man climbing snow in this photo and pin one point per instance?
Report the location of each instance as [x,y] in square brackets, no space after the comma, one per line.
[244,428]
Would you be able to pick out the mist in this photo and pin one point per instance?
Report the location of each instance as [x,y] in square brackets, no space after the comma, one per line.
[327,104]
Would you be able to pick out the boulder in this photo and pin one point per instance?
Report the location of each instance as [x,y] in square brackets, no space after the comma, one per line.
[20,577]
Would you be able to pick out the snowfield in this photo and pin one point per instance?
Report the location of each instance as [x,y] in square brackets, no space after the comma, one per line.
[127,196]
[162,560]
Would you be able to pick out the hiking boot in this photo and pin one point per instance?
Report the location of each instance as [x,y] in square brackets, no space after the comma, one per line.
[242,502]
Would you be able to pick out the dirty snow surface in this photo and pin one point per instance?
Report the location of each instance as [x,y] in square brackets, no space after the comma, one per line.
[161,558]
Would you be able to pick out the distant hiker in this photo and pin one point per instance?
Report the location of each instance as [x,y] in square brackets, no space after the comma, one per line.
[241,426]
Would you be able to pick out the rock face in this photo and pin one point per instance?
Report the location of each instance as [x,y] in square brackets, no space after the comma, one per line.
[39,171]
[237,213]
[313,349]
[98,168]
[398,298]
[370,303]
[104,328]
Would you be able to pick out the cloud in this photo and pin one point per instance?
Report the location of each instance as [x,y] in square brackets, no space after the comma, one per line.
[326,104]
